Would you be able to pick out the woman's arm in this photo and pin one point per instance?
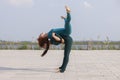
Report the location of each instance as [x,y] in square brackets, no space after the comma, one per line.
[57,38]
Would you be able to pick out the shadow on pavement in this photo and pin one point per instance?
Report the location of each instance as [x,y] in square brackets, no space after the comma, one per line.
[27,69]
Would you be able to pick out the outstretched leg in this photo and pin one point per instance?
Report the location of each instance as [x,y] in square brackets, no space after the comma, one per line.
[67,25]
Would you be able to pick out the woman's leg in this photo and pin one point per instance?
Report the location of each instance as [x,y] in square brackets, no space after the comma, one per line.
[67,24]
[67,27]
[67,49]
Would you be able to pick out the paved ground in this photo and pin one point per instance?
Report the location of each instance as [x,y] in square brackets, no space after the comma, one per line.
[83,65]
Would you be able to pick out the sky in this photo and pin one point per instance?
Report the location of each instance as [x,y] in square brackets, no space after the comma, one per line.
[24,20]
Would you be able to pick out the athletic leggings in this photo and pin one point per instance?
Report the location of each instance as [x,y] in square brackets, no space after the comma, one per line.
[65,34]
[66,31]
[67,49]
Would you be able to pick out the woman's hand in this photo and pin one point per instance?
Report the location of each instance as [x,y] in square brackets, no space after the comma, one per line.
[62,17]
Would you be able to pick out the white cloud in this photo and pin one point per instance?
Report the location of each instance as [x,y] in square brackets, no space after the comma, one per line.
[21,2]
[87,5]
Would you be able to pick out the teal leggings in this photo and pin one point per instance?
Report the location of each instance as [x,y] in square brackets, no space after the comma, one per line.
[67,49]
[65,32]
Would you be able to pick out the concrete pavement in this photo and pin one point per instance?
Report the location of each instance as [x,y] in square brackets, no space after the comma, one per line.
[83,65]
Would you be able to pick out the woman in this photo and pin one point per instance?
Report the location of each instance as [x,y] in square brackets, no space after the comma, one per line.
[58,36]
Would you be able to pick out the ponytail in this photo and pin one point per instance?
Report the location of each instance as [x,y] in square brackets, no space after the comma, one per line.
[47,48]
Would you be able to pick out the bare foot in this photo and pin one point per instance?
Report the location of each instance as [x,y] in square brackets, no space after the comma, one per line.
[58,70]
[67,9]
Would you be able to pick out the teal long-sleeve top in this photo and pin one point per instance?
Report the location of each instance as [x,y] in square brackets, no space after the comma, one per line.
[61,32]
